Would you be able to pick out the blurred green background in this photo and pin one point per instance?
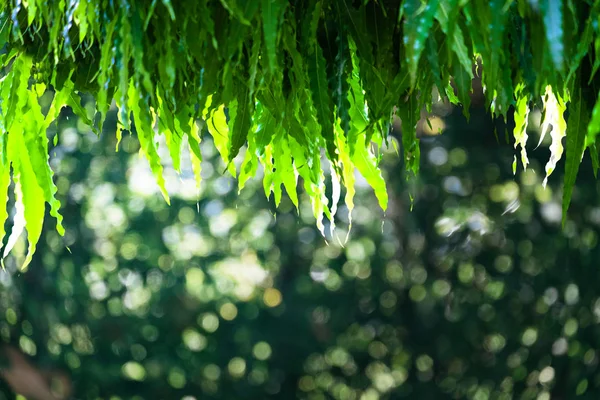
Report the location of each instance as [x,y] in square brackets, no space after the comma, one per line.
[477,293]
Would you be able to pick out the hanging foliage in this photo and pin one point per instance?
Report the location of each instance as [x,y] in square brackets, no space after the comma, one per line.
[287,79]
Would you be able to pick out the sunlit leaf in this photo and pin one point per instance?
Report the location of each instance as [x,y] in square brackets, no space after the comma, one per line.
[521,120]
[554,109]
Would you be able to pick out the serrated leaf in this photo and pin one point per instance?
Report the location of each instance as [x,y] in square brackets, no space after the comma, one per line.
[418,22]
[216,123]
[107,61]
[36,142]
[173,135]
[347,178]
[145,133]
[463,80]
[447,15]
[142,76]
[409,114]
[321,96]
[123,62]
[81,19]
[366,163]
[554,109]
[342,69]
[19,222]
[313,185]
[582,48]
[242,122]
[284,166]
[357,27]
[195,154]
[271,11]
[521,120]
[576,133]
[357,111]
[30,197]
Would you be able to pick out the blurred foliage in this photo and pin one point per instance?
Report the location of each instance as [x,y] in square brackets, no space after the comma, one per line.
[477,293]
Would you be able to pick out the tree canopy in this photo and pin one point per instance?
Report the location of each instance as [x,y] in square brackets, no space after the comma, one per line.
[289,80]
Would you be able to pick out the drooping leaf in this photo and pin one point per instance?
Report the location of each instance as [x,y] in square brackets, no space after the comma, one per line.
[521,120]
[593,129]
[317,75]
[554,109]
[553,24]
[242,122]
[447,14]
[595,162]
[288,79]
[463,80]
[272,11]
[409,114]
[145,133]
[366,163]
[418,22]
[576,134]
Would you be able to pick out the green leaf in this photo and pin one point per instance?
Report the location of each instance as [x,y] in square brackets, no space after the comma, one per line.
[173,135]
[284,166]
[583,46]
[36,143]
[521,120]
[242,122]
[593,129]
[271,10]
[418,22]
[4,28]
[342,69]
[434,64]
[243,11]
[554,109]
[145,133]
[216,123]
[195,154]
[357,27]
[4,183]
[322,101]
[357,113]
[366,163]
[594,156]
[105,73]
[124,59]
[553,24]
[30,195]
[576,133]
[169,7]
[463,80]
[409,114]
[447,15]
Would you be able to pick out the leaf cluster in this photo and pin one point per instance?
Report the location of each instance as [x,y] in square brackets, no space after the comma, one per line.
[286,79]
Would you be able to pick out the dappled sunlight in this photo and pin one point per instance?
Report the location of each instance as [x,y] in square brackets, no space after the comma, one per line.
[473,294]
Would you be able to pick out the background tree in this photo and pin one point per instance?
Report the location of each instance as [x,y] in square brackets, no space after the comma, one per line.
[477,293]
